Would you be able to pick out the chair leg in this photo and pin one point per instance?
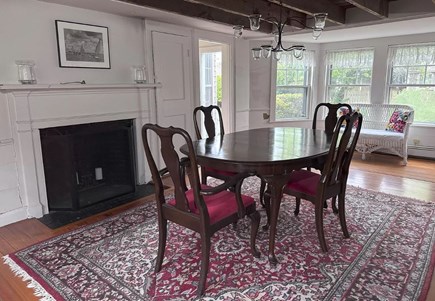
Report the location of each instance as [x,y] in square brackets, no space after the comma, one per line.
[319,225]
[341,214]
[205,254]
[262,190]
[334,204]
[298,204]
[203,178]
[163,232]
[255,223]
[267,207]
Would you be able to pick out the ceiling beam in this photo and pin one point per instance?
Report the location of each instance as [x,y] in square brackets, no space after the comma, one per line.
[379,8]
[198,11]
[266,9]
[336,14]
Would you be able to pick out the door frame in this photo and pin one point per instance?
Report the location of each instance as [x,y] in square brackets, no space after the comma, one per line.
[219,38]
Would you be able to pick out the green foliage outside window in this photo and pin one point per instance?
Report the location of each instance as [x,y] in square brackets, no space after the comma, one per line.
[421,99]
[219,90]
[289,103]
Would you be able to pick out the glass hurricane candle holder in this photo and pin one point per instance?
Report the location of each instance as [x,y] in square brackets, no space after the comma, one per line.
[139,74]
[26,71]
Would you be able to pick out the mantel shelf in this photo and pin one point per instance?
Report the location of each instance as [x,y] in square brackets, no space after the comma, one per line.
[53,87]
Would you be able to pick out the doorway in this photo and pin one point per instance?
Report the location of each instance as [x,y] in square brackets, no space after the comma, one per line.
[214,78]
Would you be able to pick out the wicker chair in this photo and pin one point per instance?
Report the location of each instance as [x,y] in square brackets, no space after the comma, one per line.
[374,135]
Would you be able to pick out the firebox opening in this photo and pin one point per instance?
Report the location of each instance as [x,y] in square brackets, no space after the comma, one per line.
[88,163]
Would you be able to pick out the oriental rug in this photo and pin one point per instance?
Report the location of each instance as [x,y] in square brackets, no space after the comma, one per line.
[389,256]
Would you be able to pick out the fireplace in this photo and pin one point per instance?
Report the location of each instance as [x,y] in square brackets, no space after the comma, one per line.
[87,164]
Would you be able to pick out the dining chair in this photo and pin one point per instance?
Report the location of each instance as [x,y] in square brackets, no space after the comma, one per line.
[332,181]
[331,116]
[329,123]
[209,123]
[201,208]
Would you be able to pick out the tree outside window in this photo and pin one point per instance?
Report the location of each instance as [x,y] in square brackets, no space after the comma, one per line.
[293,81]
[412,79]
[349,76]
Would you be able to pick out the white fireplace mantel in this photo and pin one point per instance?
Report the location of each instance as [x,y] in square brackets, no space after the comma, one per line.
[33,107]
[74,86]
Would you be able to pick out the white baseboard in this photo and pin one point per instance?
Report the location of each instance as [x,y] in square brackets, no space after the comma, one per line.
[421,151]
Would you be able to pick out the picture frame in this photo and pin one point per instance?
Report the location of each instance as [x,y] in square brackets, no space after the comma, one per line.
[82,45]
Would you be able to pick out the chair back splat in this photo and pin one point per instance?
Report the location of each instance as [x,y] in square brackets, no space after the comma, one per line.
[201,208]
[173,163]
[331,118]
[209,123]
[336,168]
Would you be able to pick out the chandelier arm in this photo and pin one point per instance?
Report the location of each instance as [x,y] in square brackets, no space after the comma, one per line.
[294,47]
[272,20]
[289,20]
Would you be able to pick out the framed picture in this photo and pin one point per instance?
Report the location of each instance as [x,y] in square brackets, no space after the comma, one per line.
[82,45]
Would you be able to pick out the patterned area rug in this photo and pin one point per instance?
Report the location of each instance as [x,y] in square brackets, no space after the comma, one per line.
[389,256]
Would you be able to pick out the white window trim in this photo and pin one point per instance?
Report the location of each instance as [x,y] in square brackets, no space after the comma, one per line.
[272,118]
[328,73]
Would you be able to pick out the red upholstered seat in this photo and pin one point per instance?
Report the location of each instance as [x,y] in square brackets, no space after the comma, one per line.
[304,181]
[220,205]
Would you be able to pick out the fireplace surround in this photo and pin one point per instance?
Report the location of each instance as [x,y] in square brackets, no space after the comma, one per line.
[34,108]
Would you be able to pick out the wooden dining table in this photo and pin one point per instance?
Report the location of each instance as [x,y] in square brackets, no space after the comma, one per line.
[270,153]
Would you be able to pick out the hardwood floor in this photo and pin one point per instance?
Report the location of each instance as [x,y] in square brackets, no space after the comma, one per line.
[378,172]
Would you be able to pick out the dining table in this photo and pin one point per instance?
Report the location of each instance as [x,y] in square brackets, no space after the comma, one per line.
[270,153]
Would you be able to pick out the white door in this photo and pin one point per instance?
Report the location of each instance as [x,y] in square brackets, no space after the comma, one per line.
[172,68]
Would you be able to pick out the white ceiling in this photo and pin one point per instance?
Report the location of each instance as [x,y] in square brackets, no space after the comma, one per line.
[421,21]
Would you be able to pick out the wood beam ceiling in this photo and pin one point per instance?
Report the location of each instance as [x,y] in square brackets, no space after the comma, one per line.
[236,12]
[378,8]
[267,10]
[336,14]
[199,11]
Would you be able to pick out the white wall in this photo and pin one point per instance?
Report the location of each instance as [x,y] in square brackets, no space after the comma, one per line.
[242,91]
[27,31]
[261,73]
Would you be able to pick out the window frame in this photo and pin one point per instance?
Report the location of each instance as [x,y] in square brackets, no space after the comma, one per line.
[308,92]
[389,85]
[328,71]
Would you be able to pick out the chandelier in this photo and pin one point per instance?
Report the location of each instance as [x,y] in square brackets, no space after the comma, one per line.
[276,51]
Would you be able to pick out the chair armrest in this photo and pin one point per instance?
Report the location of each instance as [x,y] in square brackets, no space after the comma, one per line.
[231,182]
[235,182]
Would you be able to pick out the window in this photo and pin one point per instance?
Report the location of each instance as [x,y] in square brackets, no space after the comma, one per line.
[293,82]
[349,76]
[412,79]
